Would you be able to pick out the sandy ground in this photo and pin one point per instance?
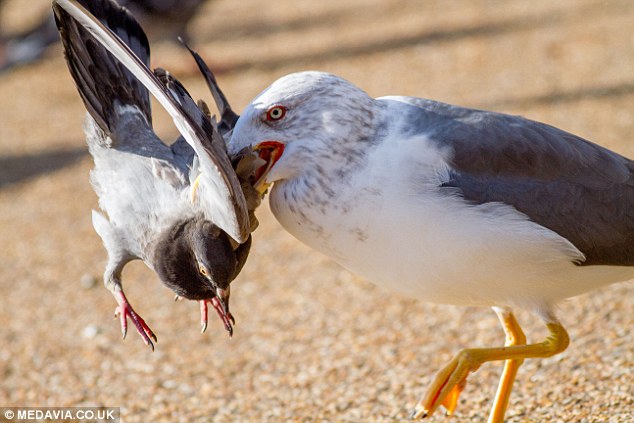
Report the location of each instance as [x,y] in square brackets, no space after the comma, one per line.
[313,342]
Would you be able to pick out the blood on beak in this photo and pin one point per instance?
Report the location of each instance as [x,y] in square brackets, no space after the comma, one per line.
[270,152]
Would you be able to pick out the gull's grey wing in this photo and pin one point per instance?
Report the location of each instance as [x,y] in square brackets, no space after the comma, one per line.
[220,196]
[578,189]
[228,117]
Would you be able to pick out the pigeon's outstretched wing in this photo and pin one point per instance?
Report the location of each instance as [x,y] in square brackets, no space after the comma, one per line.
[244,162]
[219,194]
[92,69]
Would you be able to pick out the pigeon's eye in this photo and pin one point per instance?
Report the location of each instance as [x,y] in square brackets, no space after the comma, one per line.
[203,271]
[275,113]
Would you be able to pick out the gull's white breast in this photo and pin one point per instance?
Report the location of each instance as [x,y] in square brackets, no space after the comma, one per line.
[391,223]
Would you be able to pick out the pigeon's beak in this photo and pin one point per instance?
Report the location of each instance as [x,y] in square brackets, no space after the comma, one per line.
[270,152]
[221,304]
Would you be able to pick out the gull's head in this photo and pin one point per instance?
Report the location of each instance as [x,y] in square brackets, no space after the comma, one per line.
[300,116]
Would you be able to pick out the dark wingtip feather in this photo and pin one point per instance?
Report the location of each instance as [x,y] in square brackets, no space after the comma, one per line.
[228,117]
[101,80]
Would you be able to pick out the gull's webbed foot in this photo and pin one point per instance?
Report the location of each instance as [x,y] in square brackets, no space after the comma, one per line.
[447,385]
[451,380]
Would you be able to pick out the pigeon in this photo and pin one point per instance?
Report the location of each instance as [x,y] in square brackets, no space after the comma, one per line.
[179,208]
[445,204]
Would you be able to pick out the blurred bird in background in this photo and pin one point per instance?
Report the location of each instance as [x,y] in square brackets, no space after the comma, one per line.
[180,208]
[164,19]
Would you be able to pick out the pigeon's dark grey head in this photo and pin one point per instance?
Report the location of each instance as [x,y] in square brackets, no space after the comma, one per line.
[196,260]
[213,253]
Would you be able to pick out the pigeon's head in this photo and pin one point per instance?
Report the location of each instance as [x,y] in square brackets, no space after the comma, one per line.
[196,259]
[301,116]
[212,256]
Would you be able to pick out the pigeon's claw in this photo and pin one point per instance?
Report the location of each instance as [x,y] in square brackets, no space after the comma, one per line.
[203,315]
[225,315]
[125,310]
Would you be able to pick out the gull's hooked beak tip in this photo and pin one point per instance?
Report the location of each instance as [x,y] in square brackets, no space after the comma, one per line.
[270,152]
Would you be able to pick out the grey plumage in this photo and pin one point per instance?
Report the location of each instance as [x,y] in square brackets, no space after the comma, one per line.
[145,186]
[580,190]
[174,256]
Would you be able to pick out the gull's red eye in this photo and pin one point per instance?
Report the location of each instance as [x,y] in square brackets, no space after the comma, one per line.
[275,113]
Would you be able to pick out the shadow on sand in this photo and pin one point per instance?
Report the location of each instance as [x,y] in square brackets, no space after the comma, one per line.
[15,169]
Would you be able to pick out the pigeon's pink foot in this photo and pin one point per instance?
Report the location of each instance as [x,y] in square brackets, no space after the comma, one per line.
[225,315]
[125,310]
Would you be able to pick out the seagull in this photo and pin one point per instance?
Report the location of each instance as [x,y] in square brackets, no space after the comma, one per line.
[180,209]
[445,204]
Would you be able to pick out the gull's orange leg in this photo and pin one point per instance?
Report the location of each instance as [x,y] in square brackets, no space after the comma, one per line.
[514,336]
[451,379]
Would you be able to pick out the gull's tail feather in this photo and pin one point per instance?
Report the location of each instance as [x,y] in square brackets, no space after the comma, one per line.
[103,83]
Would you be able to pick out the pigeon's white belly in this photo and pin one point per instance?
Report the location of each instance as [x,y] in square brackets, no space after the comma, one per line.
[413,239]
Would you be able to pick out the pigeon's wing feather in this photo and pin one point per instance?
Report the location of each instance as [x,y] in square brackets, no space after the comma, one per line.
[104,85]
[220,196]
[228,117]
